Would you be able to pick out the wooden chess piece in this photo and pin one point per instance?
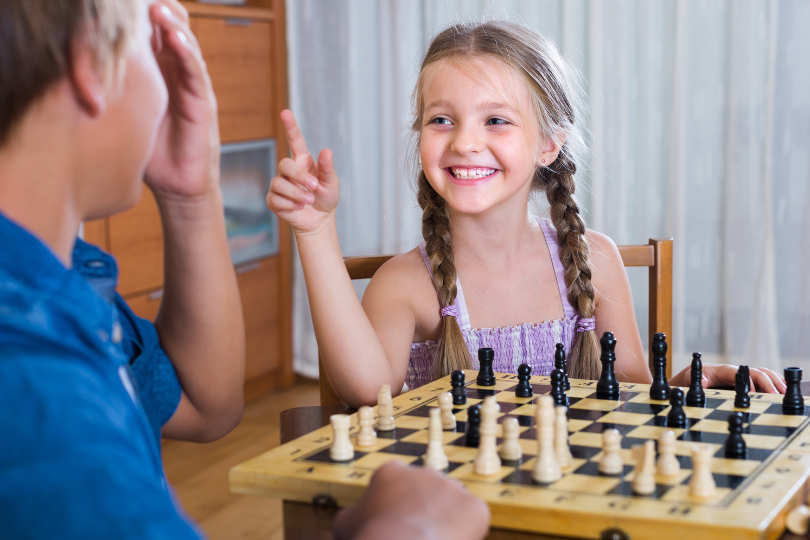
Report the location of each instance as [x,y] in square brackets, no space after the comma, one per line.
[561,447]
[561,364]
[696,396]
[487,462]
[445,400]
[510,448]
[435,458]
[608,385]
[702,485]
[385,409]
[611,462]
[798,520]
[668,465]
[342,449]
[644,473]
[457,382]
[793,402]
[660,387]
[524,388]
[486,377]
[366,436]
[546,468]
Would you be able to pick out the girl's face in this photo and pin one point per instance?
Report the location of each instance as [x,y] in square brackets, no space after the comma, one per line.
[480,142]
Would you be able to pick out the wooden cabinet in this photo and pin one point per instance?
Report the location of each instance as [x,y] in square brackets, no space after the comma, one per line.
[244,49]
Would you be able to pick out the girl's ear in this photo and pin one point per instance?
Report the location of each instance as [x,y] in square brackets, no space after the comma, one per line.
[551,149]
[87,84]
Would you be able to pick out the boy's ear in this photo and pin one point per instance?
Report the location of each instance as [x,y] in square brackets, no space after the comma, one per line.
[87,83]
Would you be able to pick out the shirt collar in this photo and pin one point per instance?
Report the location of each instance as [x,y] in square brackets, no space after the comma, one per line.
[27,259]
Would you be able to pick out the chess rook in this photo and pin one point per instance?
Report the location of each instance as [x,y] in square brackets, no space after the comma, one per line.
[457,382]
[735,444]
[660,387]
[546,467]
[385,409]
[473,436]
[486,377]
[524,388]
[676,418]
[561,364]
[435,458]
[608,386]
[702,485]
[696,397]
[558,388]
[342,449]
[793,402]
[742,385]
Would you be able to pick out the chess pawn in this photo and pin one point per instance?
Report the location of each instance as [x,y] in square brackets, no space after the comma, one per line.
[435,457]
[561,447]
[524,388]
[643,475]
[611,463]
[342,449]
[446,407]
[668,465]
[702,485]
[385,409]
[510,448]
[457,382]
[676,418]
[546,468]
[365,418]
[798,520]
[487,462]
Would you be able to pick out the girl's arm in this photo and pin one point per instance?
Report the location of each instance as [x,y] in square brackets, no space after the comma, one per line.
[305,194]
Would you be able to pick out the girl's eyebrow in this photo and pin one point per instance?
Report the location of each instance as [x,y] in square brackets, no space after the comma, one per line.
[486,106]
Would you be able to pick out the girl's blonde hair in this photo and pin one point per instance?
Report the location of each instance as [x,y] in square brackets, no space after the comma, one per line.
[552,82]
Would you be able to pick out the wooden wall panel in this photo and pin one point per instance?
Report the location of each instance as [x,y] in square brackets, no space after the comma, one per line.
[259,288]
[96,232]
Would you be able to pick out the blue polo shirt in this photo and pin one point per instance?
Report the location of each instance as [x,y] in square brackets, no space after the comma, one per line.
[84,391]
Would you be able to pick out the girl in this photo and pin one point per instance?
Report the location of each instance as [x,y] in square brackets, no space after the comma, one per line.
[494,122]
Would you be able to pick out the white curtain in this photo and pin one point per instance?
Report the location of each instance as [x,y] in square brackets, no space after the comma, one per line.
[700,128]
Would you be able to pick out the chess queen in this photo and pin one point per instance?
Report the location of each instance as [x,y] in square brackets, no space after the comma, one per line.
[496,121]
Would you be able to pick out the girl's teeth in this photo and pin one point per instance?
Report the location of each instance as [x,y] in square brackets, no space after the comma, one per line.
[472,173]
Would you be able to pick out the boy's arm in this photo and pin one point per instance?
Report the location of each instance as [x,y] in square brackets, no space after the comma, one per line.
[200,320]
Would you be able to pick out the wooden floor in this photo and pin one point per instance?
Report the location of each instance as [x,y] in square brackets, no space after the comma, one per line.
[199,472]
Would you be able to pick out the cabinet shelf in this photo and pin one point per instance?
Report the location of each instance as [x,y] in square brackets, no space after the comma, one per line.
[236,12]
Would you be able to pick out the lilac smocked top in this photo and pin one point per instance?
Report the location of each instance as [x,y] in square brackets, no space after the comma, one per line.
[530,343]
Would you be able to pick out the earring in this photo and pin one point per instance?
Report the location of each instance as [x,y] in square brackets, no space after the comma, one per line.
[543,161]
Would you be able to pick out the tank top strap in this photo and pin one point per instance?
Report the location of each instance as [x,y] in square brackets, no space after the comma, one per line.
[464,316]
[554,248]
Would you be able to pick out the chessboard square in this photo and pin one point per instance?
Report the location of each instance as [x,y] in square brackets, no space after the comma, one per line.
[579,392]
[630,442]
[378,459]
[451,466]
[591,469]
[578,425]
[525,410]
[645,398]
[775,431]
[703,437]
[723,416]
[711,426]
[691,412]
[641,408]
[599,427]
[406,449]
[625,489]
[411,422]
[765,442]
[507,407]
[522,477]
[323,457]
[727,480]
[584,414]
[714,403]
[466,472]
[675,479]
[422,437]
[466,405]
[378,445]
[460,454]
[509,396]
[585,438]
[585,483]
[583,452]
[480,393]
[423,411]
[629,418]
[779,420]
[684,447]
[734,467]
[756,407]
[596,404]
[680,494]
[776,408]
[661,421]
[652,432]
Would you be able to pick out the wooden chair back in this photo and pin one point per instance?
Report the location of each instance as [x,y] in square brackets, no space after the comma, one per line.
[657,255]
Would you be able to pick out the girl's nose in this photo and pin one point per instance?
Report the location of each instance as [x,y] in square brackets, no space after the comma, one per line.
[467,140]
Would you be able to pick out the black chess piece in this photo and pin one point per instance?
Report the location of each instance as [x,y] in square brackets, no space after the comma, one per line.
[457,382]
[735,444]
[561,364]
[696,397]
[486,377]
[558,388]
[742,385]
[473,436]
[608,386]
[524,388]
[676,418]
[660,387]
[793,402]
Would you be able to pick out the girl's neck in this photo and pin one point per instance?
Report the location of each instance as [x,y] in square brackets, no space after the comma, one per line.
[493,236]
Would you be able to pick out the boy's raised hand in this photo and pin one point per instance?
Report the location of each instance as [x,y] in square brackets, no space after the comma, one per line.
[305,193]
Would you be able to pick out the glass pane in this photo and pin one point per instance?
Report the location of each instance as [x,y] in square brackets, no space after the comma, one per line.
[247,169]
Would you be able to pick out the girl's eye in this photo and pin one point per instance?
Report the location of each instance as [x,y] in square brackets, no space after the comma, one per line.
[497,122]
[440,121]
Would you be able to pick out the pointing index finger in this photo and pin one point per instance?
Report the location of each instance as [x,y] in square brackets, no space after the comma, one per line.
[298,146]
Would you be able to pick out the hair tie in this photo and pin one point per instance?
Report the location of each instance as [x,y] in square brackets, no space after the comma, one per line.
[450,311]
[586,325]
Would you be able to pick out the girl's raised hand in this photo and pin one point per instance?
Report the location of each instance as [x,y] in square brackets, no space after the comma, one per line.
[305,193]
[762,379]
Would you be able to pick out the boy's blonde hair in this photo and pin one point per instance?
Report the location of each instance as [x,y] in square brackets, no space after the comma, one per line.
[552,84]
[36,38]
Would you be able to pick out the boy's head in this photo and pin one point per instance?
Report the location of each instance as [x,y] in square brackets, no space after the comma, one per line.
[87,69]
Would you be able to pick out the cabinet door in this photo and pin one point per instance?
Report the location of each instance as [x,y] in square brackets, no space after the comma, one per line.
[136,240]
[259,290]
[239,59]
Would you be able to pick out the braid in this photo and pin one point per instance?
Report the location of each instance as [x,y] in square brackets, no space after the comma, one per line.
[453,353]
[558,180]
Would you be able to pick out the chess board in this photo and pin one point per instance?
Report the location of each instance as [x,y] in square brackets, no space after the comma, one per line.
[752,500]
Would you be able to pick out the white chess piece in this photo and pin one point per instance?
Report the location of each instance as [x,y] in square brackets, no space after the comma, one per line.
[611,462]
[446,407]
[546,468]
[668,465]
[561,448]
[435,457]
[702,485]
[385,409]
[487,462]
[644,473]
[510,448]
[342,449]
[365,418]
[798,520]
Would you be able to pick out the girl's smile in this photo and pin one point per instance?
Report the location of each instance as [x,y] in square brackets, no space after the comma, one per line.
[469,176]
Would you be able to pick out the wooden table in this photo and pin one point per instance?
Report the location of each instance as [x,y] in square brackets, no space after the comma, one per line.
[314,521]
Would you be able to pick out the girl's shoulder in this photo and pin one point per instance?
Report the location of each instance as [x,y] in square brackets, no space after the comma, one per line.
[606,262]
[403,275]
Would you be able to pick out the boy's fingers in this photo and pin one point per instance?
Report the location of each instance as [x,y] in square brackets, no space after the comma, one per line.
[298,146]
[326,168]
[290,170]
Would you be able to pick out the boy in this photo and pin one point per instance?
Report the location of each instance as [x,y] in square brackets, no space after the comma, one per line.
[96,95]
